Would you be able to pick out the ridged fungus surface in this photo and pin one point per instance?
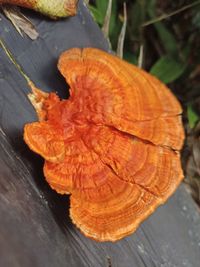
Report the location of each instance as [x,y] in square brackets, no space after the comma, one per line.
[113,145]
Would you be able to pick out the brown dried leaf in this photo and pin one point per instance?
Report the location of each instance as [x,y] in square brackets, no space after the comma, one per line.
[193,163]
[120,45]
[106,24]
[20,22]
[196,154]
[194,187]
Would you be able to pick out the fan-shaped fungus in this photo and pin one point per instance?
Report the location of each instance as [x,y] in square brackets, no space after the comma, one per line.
[113,145]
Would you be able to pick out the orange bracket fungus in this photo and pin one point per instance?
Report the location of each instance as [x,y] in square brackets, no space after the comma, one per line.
[113,145]
[51,8]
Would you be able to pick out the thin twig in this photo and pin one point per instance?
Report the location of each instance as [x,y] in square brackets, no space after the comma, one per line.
[120,45]
[165,16]
[141,56]
[13,60]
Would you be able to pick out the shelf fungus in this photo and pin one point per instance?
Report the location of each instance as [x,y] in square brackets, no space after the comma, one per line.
[114,145]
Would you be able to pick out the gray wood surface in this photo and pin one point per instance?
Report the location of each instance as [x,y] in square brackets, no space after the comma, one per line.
[35,229]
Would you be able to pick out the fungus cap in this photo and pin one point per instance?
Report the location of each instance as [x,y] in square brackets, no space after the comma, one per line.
[114,145]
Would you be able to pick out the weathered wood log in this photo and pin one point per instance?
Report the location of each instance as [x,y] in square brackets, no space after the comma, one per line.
[35,229]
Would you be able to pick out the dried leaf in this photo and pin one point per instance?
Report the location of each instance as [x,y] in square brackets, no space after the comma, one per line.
[196,154]
[193,163]
[194,187]
[167,69]
[51,8]
[196,148]
[141,56]
[120,46]
[106,25]
[20,22]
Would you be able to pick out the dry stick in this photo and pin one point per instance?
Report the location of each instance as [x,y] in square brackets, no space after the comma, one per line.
[33,97]
[106,24]
[165,16]
[120,45]
[141,56]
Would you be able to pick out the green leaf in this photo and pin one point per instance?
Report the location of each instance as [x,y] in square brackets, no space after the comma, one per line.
[167,38]
[115,25]
[167,69]
[113,18]
[98,16]
[137,14]
[102,6]
[192,116]
[99,12]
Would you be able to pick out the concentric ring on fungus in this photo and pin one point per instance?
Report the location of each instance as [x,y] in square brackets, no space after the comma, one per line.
[113,145]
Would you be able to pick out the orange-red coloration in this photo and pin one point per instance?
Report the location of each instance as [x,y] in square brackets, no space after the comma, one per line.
[113,145]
